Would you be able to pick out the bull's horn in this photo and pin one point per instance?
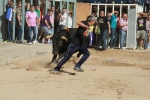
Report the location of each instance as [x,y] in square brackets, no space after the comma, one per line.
[49,36]
[64,38]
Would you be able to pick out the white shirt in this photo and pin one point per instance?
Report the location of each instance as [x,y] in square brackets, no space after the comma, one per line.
[69,22]
[64,21]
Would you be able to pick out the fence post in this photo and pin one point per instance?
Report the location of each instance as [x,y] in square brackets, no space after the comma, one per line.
[23,19]
[67,13]
[31,2]
[74,15]
[14,20]
[1,19]
[46,6]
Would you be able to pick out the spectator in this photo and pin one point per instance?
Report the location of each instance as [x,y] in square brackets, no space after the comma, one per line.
[108,35]
[146,6]
[141,28]
[51,22]
[62,21]
[148,31]
[9,15]
[134,1]
[37,10]
[45,27]
[104,28]
[69,20]
[53,10]
[41,10]
[113,25]
[56,21]
[18,22]
[8,4]
[94,31]
[58,9]
[31,20]
[123,31]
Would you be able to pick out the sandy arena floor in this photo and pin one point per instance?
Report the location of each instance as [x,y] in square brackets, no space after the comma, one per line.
[108,75]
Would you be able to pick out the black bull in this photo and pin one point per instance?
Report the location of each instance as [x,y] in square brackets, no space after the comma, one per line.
[61,40]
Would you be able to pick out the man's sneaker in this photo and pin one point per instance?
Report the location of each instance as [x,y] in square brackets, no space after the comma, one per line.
[141,48]
[29,43]
[49,42]
[78,69]
[42,43]
[56,72]
[33,42]
[148,45]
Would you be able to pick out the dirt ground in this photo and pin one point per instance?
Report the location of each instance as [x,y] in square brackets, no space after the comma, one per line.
[108,75]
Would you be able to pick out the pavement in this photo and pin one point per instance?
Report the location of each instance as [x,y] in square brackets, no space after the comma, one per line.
[11,52]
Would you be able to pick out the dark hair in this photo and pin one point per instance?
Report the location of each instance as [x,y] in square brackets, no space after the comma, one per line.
[32,6]
[36,5]
[49,10]
[90,18]
[71,13]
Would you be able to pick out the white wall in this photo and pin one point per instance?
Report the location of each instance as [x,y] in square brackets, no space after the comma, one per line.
[139,8]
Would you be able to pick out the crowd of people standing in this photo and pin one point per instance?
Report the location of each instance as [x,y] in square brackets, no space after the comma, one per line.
[111,30]
[39,26]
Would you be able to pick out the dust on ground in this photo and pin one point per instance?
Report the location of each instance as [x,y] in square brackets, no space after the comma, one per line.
[108,75]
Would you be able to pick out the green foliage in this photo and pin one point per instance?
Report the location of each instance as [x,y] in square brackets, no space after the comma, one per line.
[71,6]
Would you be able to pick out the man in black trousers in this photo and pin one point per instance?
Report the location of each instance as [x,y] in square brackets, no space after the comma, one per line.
[78,44]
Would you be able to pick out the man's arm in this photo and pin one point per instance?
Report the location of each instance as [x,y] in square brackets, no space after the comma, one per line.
[113,12]
[122,25]
[27,22]
[144,14]
[46,24]
[108,27]
[51,22]
[18,17]
[62,18]
[82,25]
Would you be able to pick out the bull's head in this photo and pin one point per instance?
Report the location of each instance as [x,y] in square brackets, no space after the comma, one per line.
[58,43]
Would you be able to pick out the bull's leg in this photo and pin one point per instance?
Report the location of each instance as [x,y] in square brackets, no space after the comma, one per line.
[61,55]
[53,59]
[57,61]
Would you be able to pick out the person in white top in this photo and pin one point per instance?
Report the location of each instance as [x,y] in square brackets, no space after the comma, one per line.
[69,20]
[62,21]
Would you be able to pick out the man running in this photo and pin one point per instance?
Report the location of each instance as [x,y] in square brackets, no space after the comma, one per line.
[78,44]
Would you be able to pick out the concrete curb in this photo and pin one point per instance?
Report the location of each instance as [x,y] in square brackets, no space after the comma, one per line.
[11,60]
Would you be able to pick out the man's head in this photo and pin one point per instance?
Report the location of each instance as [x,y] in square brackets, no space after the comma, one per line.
[53,8]
[11,4]
[9,1]
[91,20]
[19,4]
[50,12]
[37,7]
[125,16]
[108,15]
[70,14]
[102,14]
[32,8]
[63,10]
